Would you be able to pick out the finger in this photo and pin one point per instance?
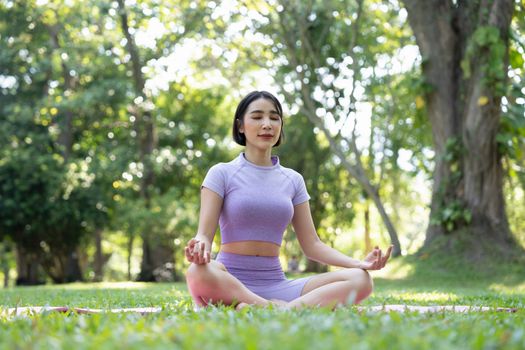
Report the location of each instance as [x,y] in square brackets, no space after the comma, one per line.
[195,248]
[208,257]
[205,257]
[189,257]
[201,251]
[195,256]
[191,246]
[387,256]
[389,250]
[202,257]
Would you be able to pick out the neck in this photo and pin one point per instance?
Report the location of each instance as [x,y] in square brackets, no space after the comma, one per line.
[259,157]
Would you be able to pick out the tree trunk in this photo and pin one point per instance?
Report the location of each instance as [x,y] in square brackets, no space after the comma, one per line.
[72,271]
[27,268]
[160,257]
[130,253]
[146,265]
[465,58]
[5,269]
[62,264]
[368,245]
[98,263]
[4,250]
[148,142]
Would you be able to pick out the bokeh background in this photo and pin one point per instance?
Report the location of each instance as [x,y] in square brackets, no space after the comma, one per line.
[406,119]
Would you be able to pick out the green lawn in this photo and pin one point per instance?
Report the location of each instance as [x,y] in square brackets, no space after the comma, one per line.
[178,326]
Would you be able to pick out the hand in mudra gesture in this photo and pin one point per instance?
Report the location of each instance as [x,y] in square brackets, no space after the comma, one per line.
[197,252]
[376,260]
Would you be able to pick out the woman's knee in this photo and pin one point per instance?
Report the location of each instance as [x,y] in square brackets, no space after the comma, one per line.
[363,281]
[204,275]
[198,276]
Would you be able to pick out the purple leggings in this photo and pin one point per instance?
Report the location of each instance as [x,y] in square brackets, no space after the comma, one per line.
[263,275]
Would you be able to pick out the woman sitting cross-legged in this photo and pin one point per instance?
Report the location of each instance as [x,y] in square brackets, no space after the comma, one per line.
[254,198]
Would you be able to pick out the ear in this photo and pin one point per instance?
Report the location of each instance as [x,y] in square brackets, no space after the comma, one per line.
[240,126]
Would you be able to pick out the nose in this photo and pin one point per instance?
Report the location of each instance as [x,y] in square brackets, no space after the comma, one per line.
[267,124]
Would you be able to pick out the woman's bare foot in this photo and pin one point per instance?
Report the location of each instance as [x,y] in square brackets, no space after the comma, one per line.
[278,304]
[241,306]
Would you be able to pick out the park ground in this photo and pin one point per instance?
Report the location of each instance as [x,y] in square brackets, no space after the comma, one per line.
[178,325]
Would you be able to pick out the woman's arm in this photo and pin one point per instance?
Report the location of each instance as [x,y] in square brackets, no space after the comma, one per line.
[198,248]
[316,250]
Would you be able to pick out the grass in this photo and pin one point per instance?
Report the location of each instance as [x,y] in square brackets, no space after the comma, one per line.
[179,326]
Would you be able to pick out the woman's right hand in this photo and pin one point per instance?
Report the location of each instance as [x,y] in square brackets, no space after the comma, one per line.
[197,252]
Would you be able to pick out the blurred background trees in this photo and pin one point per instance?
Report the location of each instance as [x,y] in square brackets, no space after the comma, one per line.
[111,112]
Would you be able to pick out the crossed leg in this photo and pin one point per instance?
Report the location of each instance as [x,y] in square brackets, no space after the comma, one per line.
[212,284]
[335,288]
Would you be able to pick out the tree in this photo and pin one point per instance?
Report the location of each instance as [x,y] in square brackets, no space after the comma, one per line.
[321,67]
[188,16]
[465,49]
[55,191]
[331,192]
[154,254]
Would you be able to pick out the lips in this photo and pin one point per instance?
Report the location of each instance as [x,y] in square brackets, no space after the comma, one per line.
[266,135]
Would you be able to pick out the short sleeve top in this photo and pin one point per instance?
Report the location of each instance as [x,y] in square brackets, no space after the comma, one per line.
[258,201]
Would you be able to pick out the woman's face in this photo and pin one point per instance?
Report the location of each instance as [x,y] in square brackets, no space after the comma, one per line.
[261,124]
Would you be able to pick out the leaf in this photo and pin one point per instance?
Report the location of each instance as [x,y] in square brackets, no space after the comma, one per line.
[483,100]
[516,59]
[420,102]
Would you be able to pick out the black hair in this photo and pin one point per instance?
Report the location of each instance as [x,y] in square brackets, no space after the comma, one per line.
[239,137]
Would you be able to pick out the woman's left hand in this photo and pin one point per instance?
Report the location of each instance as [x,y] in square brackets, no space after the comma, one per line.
[376,260]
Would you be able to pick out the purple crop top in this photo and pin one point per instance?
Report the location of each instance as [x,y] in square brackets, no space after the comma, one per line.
[258,200]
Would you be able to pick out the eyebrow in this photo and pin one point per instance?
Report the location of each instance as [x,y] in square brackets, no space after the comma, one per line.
[260,111]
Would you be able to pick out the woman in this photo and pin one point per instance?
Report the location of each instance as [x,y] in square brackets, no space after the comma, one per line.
[254,199]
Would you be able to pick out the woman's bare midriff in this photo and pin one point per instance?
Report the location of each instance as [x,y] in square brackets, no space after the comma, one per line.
[257,248]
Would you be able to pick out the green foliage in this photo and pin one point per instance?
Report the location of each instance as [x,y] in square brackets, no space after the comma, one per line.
[55,192]
[329,187]
[68,58]
[486,42]
[511,136]
[45,207]
[451,213]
